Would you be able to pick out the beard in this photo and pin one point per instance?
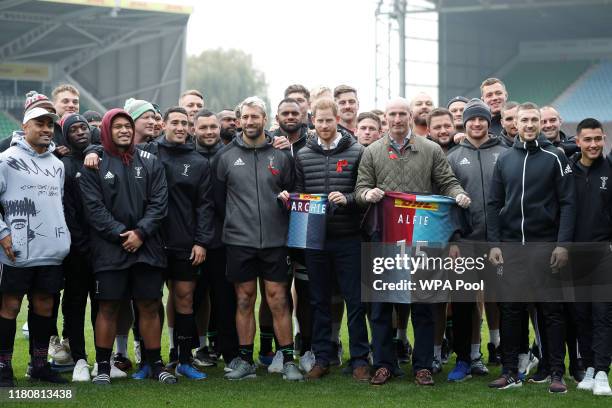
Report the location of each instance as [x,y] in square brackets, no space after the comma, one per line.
[227,134]
[420,120]
[290,128]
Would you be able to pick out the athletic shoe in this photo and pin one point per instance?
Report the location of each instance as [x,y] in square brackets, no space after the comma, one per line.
[461,372]
[62,368]
[557,385]
[401,349]
[277,363]
[101,379]
[121,362]
[58,352]
[336,360]
[7,379]
[307,361]
[242,371]
[523,361]
[172,359]
[231,366]
[46,374]
[601,386]
[577,372]
[291,372]
[436,366]
[114,373]
[423,377]
[445,351]
[189,371]
[505,381]
[478,367]
[203,358]
[143,372]
[297,344]
[588,381]
[494,354]
[81,372]
[541,376]
[25,330]
[161,374]
[266,359]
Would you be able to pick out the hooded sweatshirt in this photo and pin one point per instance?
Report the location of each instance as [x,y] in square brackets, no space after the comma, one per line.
[128,192]
[532,195]
[31,190]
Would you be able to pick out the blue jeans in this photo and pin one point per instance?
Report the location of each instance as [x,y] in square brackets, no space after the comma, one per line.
[339,260]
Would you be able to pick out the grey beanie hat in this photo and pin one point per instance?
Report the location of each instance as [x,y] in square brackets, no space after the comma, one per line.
[476,108]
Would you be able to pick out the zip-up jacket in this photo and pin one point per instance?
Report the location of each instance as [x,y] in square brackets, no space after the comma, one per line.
[321,171]
[506,139]
[119,198]
[210,153]
[567,144]
[495,128]
[247,182]
[473,167]
[298,144]
[593,199]
[532,195]
[76,217]
[190,202]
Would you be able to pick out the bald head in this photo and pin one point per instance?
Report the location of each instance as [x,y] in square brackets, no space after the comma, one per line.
[420,106]
[550,123]
[397,113]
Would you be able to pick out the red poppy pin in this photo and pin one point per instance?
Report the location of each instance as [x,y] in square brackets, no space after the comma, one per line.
[340,165]
[275,172]
[392,154]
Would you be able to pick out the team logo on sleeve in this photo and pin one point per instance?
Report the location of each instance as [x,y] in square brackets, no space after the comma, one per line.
[567,170]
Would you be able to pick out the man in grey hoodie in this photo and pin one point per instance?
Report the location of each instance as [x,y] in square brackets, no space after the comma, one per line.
[34,239]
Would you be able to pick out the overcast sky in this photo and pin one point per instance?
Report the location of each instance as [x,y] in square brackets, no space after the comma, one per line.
[312,42]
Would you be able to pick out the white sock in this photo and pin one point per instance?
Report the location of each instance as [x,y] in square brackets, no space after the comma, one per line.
[121,342]
[475,352]
[203,341]
[438,352]
[171,335]
[494,337]
[402,334]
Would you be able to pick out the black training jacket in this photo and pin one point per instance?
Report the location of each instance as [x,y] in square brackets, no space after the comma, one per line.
[247,182]
[567,144]
[190,201]
[496,127]
[594,199]
[319,171]
[119,198]
[74,212]
[532,195]
[474,167]
[210,153]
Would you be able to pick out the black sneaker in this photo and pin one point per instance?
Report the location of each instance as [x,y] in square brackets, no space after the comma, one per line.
[45,373]
[494,354]
[161,374]
[203,358]
[7,379]
[541,376]
[557,385]
[505,381]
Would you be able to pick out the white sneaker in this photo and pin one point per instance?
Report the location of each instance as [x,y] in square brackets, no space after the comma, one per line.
[307,361]
[115,372]
[277,363]
[58,352]
[588,381]
[601,386]
[81,372]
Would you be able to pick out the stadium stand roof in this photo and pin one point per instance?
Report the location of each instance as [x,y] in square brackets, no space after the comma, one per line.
[109,49]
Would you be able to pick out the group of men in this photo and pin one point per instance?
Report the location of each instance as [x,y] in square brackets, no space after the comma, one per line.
[114,206]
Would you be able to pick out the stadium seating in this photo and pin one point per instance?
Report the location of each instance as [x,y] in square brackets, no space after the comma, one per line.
[591,96]
[542,82]
[7,125]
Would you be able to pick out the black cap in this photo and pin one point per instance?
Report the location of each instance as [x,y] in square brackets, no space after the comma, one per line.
[456,99]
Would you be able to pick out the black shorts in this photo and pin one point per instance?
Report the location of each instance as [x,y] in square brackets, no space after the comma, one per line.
[19,280]
[138,282]
[181,270]
[245,264]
